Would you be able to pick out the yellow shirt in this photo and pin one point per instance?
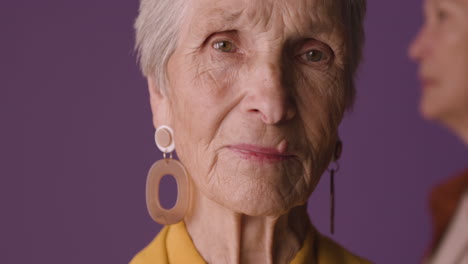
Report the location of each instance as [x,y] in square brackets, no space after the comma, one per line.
[173,245]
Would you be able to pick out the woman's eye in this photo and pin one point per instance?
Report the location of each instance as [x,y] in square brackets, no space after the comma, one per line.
[224,46]
[441,14]
[313,56]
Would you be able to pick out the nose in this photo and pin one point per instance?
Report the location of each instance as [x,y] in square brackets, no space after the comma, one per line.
[420,46]
[268,97]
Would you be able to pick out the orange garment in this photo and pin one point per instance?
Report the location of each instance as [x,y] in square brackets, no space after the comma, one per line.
[444,201]
[173,245]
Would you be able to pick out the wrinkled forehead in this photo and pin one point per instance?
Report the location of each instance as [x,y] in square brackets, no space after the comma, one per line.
[319,16]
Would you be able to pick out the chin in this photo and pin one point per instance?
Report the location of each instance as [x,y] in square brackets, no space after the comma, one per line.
[428,109]
[258,189]
[261,200]
[436,111]
[425,113]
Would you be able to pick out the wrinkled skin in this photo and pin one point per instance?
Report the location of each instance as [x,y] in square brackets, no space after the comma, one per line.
[267,74]
[441,48]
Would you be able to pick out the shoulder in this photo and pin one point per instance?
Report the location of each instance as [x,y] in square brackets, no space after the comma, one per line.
[155,252]
[172,245]
[331,252]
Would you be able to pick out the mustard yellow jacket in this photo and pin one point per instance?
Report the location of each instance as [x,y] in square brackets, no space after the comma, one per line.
[173,245]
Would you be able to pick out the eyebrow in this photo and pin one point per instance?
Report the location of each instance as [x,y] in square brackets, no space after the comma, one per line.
[458,3]
[218,17]
[454,5]
[455,2]
[223,19]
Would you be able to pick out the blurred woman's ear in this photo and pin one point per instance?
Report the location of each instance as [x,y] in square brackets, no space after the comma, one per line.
[159,104]
[338,150]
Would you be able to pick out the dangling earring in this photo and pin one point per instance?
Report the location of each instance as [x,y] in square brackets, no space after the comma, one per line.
[336,157]
[164,138]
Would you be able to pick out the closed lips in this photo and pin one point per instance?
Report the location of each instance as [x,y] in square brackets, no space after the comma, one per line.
[258,151]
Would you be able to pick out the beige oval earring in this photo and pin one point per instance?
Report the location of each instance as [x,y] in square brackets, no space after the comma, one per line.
[164,138]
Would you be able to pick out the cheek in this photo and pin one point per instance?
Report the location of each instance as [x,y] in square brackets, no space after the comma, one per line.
[204,93]
[215,92]
[451,66]
[321,106]
[455,89]
[449,53]
[450,92]
[320,98]
[462,58]
[215,77]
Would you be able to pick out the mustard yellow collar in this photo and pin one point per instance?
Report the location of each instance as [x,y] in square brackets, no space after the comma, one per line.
[173,245]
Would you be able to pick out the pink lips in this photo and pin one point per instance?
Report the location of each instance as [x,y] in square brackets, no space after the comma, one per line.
[426,82]
[260,154]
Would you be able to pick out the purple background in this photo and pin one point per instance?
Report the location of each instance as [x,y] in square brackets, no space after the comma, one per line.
[77,139]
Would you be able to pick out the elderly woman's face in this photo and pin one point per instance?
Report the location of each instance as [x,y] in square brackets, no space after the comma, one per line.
[255,95]
[442,51]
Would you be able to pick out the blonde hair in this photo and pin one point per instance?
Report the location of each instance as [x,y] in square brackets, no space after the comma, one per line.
[158,24]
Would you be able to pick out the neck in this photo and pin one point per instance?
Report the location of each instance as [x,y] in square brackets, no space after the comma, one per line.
[459,124]
[223,236]
[463,133]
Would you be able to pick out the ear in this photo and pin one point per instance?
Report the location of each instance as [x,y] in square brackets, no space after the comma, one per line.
[338,150]
[159,104]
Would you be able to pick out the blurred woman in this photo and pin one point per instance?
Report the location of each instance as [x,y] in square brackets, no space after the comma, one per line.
[441,49]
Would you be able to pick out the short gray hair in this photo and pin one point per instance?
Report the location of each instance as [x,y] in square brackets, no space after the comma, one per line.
[159,21]
[157,27]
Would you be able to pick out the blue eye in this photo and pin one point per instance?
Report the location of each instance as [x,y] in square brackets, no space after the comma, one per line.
[224,46]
